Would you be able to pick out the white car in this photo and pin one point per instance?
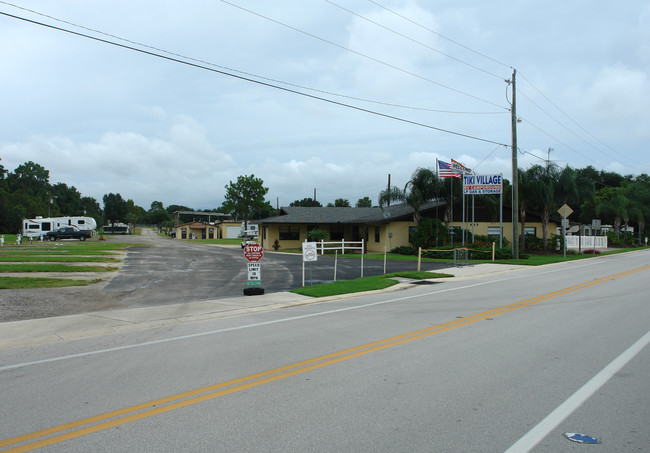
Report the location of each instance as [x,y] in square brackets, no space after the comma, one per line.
[247,241]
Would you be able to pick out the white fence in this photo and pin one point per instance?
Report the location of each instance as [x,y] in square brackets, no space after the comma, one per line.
[586,242]
[341,245]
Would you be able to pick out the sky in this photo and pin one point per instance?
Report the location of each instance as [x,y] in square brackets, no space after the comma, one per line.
[316,96]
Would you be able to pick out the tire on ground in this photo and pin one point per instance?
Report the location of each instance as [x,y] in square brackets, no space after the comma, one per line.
[253,291]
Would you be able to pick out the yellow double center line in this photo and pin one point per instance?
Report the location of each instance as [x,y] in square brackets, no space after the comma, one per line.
[129,414]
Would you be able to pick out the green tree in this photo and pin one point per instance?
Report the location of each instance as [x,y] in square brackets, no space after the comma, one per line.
[542,190]
[423,186]
[612,203]
[244,197]
[638,194]
[306,203]
[30,178]
[158,215]
[339,203]
[364,202]
[116,208]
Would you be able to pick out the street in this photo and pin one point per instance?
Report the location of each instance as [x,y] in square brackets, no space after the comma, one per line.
[479,364]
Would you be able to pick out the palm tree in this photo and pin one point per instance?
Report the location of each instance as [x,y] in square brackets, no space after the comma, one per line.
[612,202]
[639,195]
[542,187]
[422,187]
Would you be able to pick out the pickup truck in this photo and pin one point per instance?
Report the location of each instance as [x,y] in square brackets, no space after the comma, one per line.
[69,232]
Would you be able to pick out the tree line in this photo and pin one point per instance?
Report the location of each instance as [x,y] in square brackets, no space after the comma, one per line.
[27,193]
[592,194]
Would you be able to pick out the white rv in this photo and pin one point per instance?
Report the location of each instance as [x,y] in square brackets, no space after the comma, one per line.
[39,226]
[252,231]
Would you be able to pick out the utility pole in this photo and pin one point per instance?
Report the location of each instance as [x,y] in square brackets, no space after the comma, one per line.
[548,161]
[515,172]
[388,203]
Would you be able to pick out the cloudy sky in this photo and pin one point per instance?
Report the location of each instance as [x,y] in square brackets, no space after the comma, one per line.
[351,91]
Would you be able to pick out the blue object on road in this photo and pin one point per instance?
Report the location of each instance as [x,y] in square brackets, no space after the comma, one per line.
[581,438]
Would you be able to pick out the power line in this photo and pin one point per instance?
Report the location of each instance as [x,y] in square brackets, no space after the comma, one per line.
[440,35]
[413,40]
[376,60]
[576,123]
[316,90]
[247,79]
[531,84]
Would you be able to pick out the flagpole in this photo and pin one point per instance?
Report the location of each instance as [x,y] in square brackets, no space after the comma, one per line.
[451,219]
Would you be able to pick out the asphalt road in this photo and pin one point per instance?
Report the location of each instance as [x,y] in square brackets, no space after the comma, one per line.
[491,364]
[173,271]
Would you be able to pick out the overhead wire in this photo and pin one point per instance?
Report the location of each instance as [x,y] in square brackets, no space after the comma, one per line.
[574,122]
[248,79]
[532,85]
[302,87]
[440,35]
[376,60]
[414,40]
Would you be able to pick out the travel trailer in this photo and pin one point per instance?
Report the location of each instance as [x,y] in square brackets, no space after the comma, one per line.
[40,226]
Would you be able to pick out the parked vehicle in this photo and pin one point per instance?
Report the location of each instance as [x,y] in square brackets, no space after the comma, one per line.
[68,232]
[40,226]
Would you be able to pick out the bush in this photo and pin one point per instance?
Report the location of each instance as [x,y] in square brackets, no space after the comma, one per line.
[404,250]
[532,242]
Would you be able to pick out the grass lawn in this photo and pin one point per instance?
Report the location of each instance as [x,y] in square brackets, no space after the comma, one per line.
[53,268]
[52,257]
[31,283]
[57,259]
[362,284]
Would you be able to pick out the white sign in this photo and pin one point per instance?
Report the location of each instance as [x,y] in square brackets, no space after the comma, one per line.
[482,184]
[309,251]
[254,272]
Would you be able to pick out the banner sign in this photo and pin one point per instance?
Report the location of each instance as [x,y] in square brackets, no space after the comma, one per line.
[482,184]
[455,165]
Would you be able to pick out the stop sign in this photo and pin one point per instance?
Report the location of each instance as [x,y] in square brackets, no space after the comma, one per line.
[253,252]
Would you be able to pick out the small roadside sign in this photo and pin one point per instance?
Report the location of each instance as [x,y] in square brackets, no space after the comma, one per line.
[309,251]
[254,274]
[565,210]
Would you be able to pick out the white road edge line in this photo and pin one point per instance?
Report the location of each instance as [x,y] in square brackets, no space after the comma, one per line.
[552,420]
[212,332]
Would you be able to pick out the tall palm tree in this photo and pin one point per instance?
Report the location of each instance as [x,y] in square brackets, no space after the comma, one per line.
[422,187]
[612,202]
[542,187]
[639,195]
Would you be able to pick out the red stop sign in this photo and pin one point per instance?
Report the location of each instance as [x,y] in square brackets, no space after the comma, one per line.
[253,252]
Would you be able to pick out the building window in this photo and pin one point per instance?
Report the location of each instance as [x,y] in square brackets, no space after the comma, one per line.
[337,233]
[411,231]
[377,234]
[530,230]
[494,231]
[289,233]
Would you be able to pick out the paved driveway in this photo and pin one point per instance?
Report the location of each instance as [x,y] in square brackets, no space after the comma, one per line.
[173,271]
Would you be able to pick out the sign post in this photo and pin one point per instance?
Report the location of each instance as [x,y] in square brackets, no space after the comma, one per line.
[565,211]
[254,253]
[309,254]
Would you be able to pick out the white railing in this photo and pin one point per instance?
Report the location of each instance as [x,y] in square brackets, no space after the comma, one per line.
[341,245]
[586,242]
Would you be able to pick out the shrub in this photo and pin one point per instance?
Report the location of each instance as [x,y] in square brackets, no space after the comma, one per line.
[404,250]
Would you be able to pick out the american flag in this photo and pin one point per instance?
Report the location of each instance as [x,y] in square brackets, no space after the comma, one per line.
[445,171]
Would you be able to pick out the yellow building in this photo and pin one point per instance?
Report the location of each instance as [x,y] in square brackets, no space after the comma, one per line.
[197,230]
[381,229]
